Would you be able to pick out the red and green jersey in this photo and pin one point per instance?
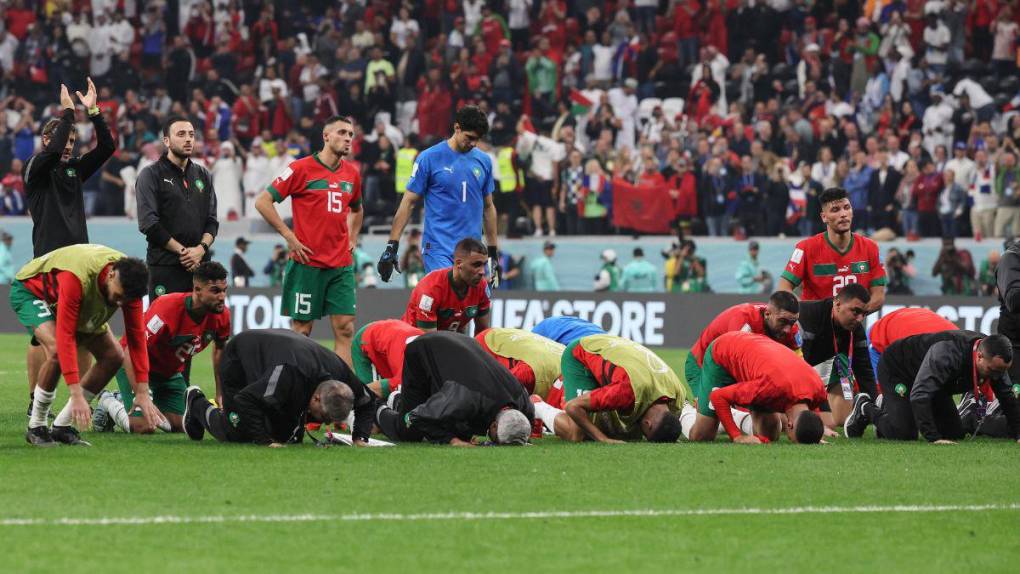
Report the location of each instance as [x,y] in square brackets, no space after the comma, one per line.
[769,376]
[435,305]
[322,199]
[747,317]
[173,335]
[823,270]
[384,343]
[906,323]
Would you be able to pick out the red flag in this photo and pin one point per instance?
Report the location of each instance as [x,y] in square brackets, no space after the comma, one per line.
[646,209]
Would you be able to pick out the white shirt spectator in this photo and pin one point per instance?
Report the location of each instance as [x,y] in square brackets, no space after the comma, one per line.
[544,153]
[227,173]
[400,29]
[937,125]
[937,39]
[8,46]
[472,14]
[824,173]
[898,159]
[79,30]
[964,171]
[1005,40]
[979,98]
[266,89]
[309,78]
[518,14]
[982,190]
[122,36]
[602,62]
[255,179]
[719,65]
[625,107]
[101,47]
[898,79]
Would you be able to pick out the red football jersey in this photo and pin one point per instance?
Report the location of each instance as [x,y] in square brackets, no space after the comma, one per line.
[823,271]
[747,317]
[768,375]
[614,391]
[434,304]
[384,343]
[906,323]
[322,199]
[172,335]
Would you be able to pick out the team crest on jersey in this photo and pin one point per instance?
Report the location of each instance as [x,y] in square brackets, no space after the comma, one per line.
[1016,390]
[477,171]
[70,172]
[200,185]
[160,290]
[346,187]
[901,390]
[234,419]
[860,267]
[471,311]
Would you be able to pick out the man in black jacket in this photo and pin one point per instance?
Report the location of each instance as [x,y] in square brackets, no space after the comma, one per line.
[176,211]
[53,186]
[1007,279]
[453,390]
[833,330]
[921,374]
[273,381]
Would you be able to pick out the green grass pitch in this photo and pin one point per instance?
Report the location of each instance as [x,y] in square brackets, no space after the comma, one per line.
[421,508]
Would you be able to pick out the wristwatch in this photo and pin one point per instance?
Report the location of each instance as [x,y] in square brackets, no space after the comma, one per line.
[94,111]
[204,246]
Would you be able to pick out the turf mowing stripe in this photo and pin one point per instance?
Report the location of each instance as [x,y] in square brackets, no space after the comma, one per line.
[436,516]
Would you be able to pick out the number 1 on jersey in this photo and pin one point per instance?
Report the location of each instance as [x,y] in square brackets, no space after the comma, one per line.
[463,192]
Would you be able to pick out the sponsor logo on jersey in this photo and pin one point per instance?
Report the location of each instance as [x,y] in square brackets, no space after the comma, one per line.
[844,269]
[426,303]
[447,169]
[155,324]
[798,255]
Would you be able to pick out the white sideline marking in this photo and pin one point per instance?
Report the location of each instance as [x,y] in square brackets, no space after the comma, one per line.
[440,516]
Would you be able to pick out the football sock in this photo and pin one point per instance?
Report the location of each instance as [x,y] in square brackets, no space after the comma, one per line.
[127,394]
[548,414]
[64,419]
[164,425]
[687,417]
[116,410]
[41,407]
[743,420]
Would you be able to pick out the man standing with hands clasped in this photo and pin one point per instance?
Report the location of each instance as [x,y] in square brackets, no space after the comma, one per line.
[176,211]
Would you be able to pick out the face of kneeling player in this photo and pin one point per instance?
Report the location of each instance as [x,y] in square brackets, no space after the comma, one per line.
[470,268]
[779,322]
[991,367]
[652,419]
[850,313]
[210,295]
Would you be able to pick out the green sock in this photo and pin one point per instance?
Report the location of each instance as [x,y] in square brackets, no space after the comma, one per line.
[127,396]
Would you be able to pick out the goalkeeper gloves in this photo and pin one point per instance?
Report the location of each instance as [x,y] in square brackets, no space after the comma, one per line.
[388,262]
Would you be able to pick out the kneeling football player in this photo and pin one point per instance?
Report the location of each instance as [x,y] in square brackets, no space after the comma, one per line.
[533,360]
[378,354]
[64,299]
[178,327]
[273,382]
[615,390]
[752,371]
[453,391]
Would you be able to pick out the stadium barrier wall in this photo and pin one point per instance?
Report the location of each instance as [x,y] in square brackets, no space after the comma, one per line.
[656,319]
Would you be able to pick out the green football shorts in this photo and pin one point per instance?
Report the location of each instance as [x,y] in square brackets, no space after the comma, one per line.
[310,293]
[577,379]
[167,394]
[713,376]
[31,310]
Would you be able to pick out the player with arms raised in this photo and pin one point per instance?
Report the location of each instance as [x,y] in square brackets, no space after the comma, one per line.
[178,326]
[326,195]
[448,299]
[456,181]
[822,265]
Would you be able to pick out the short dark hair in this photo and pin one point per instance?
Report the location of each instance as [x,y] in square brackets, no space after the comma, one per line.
[785,301]
[808,429]
[134,277]
[668,429]
[997,346]
[334,119]
[169,123]
[854,291]
[471,119]
[469,245]
[832,194]
[209,271]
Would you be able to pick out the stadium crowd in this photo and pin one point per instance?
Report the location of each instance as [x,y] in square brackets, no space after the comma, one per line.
[737,113]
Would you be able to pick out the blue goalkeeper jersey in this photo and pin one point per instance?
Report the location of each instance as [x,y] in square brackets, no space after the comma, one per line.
[565,330]
[454,186]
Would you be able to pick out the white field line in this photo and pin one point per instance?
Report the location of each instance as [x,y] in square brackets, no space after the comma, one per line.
[475,516]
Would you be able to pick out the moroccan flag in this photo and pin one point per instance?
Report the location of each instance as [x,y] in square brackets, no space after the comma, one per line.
[646,209]
[579,105]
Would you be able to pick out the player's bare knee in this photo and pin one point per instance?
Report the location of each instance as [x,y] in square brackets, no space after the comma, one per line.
[344,330]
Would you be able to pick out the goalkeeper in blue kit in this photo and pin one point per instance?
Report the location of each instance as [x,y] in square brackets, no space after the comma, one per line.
[455,179]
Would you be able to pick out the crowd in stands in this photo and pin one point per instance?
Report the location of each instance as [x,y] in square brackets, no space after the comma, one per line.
[742,111]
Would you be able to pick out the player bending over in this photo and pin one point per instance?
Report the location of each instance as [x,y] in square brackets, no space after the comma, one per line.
[273,382]
[178,327]
[448,299]
[565,330]
[903,323]
[378,354]
[754,372]
[615,390]
[86,284]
